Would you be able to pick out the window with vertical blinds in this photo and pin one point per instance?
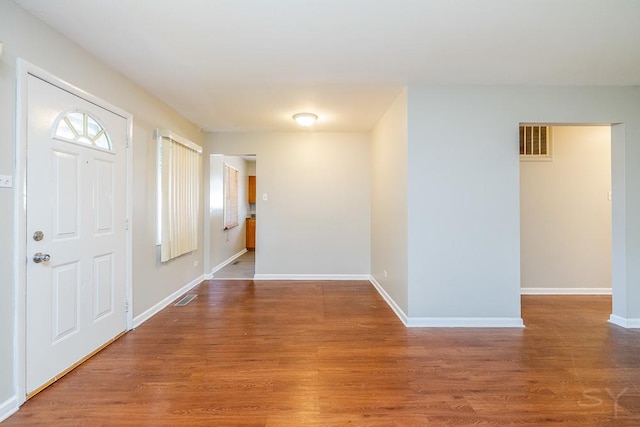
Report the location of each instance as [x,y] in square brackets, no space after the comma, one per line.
[179,165]
[230,178]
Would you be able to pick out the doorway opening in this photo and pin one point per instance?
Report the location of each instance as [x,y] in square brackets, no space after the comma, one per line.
[566,213]
[231,246]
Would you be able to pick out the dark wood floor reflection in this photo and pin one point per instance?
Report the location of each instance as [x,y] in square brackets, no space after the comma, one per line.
[334,354]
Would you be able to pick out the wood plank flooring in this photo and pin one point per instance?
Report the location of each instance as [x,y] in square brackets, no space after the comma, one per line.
[334,354]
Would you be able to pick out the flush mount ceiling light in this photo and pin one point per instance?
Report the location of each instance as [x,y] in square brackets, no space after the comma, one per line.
[305,119]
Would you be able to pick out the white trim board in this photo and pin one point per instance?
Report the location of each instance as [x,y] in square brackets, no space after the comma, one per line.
[303,277]
[152,311]
[446,322]
[465,322]
[565,291]
[224,263]
[624,322]
[8,408]
[390,302]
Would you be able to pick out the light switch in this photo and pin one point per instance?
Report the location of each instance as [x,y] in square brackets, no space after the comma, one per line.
[264,197]
[6,181]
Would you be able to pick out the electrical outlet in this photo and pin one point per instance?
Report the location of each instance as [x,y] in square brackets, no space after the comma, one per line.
[195,263]
[265,197]
[6,181]
[384,273]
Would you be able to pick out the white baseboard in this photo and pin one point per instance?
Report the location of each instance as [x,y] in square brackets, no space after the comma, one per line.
[624,322]
[224,263]
[446,322]
[8,408]
[148,314]
[390,302]
[465,322]
[311,277]
[565,291]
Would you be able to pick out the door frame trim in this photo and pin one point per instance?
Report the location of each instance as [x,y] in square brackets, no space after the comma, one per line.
[24,69]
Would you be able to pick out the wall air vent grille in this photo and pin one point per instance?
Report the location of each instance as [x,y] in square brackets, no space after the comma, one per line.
[185,300]
[535,142]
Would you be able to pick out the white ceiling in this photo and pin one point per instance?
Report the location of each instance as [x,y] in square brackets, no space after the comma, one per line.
[231,65]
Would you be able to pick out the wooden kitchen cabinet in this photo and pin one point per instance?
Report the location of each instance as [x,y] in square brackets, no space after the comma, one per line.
[252,189]
[251,233]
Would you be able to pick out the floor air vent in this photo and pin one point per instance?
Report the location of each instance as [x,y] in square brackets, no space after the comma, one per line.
[185,300]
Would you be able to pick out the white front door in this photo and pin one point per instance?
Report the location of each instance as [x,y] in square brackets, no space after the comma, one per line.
[76,230]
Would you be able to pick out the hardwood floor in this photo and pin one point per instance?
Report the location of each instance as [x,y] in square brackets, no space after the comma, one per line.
[334,354]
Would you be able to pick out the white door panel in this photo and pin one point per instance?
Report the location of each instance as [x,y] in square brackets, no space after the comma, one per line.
[104,285]
[104,176]
[76,196]
[66,186]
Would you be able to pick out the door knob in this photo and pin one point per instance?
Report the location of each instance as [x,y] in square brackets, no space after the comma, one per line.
[38,257]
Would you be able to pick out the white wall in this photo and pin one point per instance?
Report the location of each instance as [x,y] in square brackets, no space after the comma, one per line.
[464,216]
[251,171]
[316,220]
[226,243]
[565,213]
[27,37]
[251,168]
[389,202]
[463,207]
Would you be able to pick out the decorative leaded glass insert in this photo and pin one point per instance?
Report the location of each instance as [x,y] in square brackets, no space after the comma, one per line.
[81,128]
